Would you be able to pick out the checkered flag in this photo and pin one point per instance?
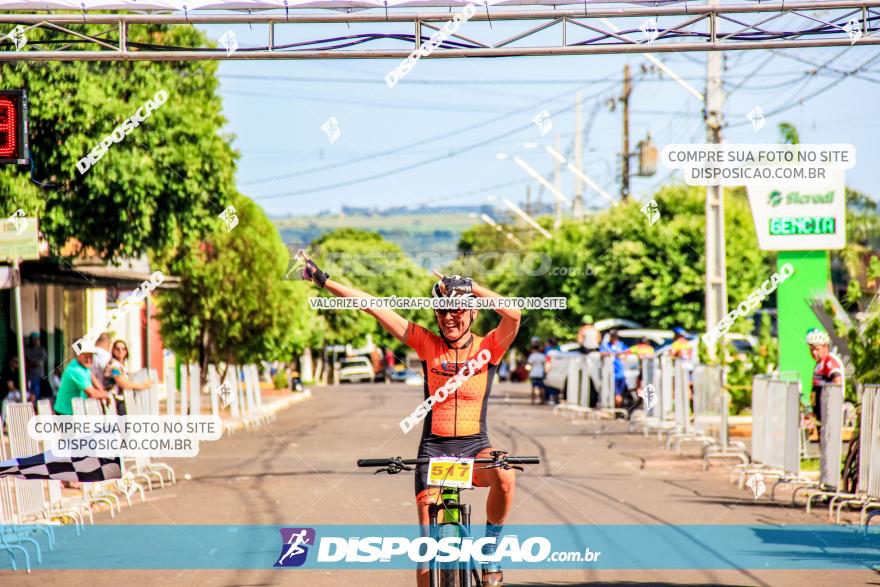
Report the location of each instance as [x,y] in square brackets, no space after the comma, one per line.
[48,465]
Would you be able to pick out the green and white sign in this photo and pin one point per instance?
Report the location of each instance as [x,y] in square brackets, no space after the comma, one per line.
[808,217]
[18,237]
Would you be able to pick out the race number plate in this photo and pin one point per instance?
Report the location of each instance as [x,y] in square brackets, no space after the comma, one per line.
[451,472]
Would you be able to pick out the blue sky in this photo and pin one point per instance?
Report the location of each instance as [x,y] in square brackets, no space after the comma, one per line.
[276,110]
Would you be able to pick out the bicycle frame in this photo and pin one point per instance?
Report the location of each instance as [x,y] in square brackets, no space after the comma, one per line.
[456,515]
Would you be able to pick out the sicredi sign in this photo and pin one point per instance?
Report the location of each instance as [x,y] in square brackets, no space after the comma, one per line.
[800,217]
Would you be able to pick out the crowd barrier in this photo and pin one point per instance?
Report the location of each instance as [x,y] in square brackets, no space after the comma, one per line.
[867,496]
[660,417]
[711,411]
[582,381]
[29,509]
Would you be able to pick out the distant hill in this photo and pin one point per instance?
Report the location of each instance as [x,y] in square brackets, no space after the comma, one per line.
[417,231]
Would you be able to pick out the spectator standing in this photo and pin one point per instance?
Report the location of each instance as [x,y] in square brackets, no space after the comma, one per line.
[77,381]
[10,390]
[504,371]
[589,336]
[535,365]
[102,358]
[642,349]
[35,363]
[116,376]
[614,347]
[681,347]
[552,345]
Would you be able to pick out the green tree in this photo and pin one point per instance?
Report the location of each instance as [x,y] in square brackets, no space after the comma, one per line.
[157,188]
[370,263]
[788,134]
[232,305]
[616,263]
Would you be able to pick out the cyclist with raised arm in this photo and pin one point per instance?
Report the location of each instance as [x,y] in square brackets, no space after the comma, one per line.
[455,426]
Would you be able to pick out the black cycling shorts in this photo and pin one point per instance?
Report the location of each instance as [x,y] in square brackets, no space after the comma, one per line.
[447,446]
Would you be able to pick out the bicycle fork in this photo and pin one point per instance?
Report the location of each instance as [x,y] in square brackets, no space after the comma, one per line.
[456,516]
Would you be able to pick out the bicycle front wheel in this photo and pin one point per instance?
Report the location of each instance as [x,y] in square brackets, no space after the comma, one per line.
[449,573]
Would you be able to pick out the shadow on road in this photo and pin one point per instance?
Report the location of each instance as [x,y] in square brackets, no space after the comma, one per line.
[616,583]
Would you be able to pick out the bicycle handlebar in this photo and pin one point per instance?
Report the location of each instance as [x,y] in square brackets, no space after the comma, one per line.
[425,461]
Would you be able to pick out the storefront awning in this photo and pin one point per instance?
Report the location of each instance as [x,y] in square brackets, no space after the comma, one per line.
[59,272]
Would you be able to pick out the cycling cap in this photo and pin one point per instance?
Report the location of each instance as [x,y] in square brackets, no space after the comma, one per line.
[679,331]
[816,336]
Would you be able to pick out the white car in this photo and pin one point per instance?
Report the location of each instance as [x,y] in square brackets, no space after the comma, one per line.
[355,369]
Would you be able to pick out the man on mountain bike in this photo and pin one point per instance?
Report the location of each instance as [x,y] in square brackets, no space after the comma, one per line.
[828,370]
[455,426]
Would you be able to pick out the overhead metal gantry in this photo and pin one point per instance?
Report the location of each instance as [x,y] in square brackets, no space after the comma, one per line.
[682,27]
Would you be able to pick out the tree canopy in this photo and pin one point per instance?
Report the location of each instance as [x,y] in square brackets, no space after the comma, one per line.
[152,191]
[617,264]
[233,304]
[372,264]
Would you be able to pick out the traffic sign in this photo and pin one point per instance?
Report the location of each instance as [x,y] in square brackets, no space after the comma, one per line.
[14,127]
[18,238]
[807,217]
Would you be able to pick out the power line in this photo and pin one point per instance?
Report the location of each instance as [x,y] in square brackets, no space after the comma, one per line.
[821,90]
[456,82]
[418,143]
[423,162]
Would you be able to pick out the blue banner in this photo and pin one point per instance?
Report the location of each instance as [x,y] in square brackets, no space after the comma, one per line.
[403,546]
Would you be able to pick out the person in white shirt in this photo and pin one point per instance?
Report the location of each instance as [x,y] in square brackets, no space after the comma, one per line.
[535,363]
[102,358]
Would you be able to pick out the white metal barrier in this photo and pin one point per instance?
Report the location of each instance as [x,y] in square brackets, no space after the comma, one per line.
[660,416]
[12,539]
[711,406]
[868,489]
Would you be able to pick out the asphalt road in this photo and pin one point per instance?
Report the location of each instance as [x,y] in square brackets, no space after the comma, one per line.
[300,471]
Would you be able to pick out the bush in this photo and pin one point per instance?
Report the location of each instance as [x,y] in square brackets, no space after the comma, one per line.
[280,380]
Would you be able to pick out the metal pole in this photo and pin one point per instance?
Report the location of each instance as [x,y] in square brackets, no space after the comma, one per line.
[557,183]
[19,338]
[716,266]
[551,13]
[624,170]
[147,312]
[577,207]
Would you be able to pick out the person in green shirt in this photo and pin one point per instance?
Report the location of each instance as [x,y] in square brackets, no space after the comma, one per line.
[77,381]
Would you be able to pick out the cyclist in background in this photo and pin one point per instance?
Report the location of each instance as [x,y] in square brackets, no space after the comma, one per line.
[457,425]
[829,369]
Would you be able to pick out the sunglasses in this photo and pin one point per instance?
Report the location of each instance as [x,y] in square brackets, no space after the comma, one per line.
[457,313]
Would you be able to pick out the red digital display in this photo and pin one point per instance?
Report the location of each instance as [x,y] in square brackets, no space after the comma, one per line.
[8,127]
[14,127]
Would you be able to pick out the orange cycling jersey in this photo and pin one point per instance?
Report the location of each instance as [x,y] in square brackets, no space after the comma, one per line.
[462,412]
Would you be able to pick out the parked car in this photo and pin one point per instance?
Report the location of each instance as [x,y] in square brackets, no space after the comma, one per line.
[656,338]
[557,375]
[355,369]
[400,372]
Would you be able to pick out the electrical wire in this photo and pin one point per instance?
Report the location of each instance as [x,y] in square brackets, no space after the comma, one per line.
[421,142]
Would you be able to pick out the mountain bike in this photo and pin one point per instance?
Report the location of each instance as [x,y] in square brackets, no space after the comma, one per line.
[456,516]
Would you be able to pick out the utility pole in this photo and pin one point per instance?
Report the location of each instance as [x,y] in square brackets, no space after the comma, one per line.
[557,183]
[624,98]
[716,265]
[577,207]
[529,200]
